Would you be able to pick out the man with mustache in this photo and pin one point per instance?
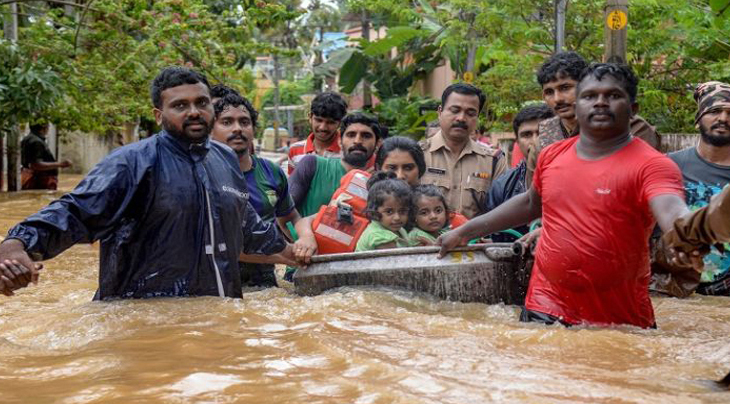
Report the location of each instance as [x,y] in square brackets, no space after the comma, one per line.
[325,115]
[462,168]
[235,124]
[600,195]
[171,211]
[705,171]
[558,78]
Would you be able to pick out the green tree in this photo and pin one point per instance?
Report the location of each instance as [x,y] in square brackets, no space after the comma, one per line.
[26,86]
[107,53]
[673,45]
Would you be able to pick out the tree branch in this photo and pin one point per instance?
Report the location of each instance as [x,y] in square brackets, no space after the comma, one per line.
[81,21]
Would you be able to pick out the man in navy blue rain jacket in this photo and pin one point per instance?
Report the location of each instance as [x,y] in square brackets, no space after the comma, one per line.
[171,211]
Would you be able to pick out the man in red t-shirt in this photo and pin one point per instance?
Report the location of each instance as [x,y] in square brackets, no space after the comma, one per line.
[599,195]
[327,111]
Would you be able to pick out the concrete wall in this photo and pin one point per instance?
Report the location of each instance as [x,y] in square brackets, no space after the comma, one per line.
[438,80]
[678,141]
[85,150]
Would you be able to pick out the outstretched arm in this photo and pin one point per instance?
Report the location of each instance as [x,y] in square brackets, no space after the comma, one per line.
[47,166]
[84,215]
[706,226]
[666,209]
[517,211]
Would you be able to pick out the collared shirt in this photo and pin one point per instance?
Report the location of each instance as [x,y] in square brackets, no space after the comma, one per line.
[268,189]
[464,182]
[303,147]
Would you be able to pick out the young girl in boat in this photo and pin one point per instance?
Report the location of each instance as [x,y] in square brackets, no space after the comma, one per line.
[388,208]
[430,216]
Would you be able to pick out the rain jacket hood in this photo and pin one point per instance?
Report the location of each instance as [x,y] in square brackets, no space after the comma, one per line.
[172,218]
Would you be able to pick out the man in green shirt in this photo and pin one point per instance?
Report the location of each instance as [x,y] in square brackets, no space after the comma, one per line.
[317,178]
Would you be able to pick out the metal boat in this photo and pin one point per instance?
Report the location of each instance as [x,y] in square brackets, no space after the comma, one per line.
[484,273]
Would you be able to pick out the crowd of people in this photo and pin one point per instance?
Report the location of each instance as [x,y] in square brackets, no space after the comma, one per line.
[195,211]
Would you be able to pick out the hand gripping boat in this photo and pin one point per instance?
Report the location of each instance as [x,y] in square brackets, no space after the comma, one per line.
[483,273]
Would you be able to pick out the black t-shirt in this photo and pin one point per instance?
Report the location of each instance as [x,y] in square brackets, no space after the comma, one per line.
[33,149]
[702,180]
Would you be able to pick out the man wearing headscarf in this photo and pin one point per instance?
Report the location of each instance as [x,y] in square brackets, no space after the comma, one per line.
[705,171]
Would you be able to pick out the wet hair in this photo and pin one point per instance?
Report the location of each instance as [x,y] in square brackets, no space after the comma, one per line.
[359,117]
[561,64]
[379,176]
[405,144]
[233,99]
[620,72]
[329,105]
[221,90]
[171,77]
[37,128]
[384,131]
[382,185]
[429,191]
[531,113]
[464,89]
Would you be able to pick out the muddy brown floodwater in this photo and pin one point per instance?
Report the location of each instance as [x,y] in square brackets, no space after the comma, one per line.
[347,346]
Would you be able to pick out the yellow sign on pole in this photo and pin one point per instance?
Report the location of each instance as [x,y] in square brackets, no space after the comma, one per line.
[616,20]
[469,77]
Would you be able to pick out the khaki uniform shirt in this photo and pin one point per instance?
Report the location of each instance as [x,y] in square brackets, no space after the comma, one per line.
[551,130]
[464,182]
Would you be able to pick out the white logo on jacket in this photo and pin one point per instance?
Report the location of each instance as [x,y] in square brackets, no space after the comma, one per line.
[234,191]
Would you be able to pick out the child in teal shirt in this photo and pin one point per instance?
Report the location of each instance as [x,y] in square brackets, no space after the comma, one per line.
[388,208]
[430,216]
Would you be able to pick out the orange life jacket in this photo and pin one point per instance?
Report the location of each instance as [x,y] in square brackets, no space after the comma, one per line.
[354,185]
[456,219]
[337,229]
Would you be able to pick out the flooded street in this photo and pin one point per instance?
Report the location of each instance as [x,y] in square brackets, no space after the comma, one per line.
[347,346]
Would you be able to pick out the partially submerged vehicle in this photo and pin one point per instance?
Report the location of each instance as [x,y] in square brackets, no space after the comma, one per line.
[484,273]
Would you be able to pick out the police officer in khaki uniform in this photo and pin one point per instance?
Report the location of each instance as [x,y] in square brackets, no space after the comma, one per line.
[461,167]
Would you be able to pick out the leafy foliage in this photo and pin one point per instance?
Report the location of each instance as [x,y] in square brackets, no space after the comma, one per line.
[407,116]
[673,45]
[106,55]
[96,63]
[25,86]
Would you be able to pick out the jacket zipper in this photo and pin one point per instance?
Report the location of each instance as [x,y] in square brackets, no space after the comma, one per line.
[211,248]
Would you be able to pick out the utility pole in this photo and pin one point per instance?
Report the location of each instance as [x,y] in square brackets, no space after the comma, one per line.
[277,101]
[560,8]
[471,53]
[367,100]
[13,142]
[616,17]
